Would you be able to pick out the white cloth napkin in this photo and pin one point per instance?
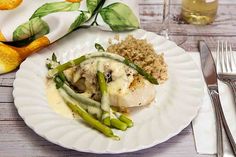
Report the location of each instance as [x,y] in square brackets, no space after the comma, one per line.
[204,124]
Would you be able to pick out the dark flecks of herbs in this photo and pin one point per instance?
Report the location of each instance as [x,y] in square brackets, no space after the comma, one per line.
[128,72]
[108,76]
[99,47]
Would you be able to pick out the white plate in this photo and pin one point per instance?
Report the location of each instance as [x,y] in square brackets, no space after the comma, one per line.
[177,101]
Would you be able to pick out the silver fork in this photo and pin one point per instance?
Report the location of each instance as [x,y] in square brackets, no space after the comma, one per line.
[226,71]
[226,66]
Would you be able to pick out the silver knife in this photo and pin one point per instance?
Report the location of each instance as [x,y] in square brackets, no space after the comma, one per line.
[210,75]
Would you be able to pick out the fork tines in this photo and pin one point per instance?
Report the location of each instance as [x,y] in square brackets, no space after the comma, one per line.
[225,58]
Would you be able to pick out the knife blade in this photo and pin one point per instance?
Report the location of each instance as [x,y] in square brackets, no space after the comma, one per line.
[210,76]
[208,64]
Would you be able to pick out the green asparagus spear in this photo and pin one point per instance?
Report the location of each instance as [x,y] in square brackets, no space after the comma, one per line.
[77,96]
[124,119]
[92,107]
[108,117]
[87,117]
[52,63]
[65,66]
[90,102]
[118,124]
[115,57]
[105,104]
[103,88]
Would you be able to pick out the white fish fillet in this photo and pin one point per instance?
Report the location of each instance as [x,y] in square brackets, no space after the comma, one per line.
[140,96]
[124,90]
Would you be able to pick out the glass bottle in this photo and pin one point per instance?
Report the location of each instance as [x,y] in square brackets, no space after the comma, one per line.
[200,12]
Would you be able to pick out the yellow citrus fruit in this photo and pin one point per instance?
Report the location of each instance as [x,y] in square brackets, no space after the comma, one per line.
[9,59]
[9,4]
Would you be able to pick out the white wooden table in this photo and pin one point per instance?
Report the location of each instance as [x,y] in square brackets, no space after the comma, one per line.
[17,140]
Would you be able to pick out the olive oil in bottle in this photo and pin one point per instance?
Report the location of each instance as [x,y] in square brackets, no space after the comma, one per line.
[200,12]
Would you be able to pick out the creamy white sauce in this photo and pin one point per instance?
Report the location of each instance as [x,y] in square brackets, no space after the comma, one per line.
[56,102]
[118,89]
[120,80]
[119,84]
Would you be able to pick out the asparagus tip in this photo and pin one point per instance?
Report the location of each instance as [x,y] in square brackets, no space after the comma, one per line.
[129,125]
[115,137]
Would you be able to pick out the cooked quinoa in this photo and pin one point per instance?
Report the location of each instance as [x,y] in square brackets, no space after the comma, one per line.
[143,54]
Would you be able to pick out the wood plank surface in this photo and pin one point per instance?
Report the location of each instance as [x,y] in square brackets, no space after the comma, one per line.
[6,94]
[16,139]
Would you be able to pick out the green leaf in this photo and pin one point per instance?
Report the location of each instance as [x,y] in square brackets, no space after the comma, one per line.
[79,21]
[92,5]
[33,29]
[48,8]
[119,17]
